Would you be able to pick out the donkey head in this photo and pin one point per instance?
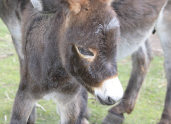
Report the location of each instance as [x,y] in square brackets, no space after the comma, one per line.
[88,45]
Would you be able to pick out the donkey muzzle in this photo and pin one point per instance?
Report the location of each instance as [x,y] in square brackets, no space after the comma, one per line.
[110,92]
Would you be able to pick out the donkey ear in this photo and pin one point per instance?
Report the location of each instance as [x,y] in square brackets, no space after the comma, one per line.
[74,5]
[47,6]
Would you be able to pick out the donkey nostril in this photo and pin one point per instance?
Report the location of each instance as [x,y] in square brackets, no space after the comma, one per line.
[111,101]
[100,100]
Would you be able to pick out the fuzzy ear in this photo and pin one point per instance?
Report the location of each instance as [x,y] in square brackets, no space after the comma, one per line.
[47,6]
[75,5]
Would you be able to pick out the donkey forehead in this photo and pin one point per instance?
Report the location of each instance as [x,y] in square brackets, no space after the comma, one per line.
[103,20]
[92,33]
[109,24]
[96,25]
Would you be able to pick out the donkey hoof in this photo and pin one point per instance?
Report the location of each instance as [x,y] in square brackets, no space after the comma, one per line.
[113,118]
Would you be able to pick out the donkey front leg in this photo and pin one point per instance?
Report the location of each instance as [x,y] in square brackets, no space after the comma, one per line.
[32,117]
[23,106]
[73,109]
[140,63]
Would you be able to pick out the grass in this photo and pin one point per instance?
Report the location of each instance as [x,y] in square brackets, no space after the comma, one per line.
[148,108]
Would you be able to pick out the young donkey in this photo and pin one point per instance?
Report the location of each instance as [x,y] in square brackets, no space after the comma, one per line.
[77,42]
[138,18]
[67,46]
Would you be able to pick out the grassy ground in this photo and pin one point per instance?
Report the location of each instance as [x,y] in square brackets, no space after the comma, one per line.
[148,108]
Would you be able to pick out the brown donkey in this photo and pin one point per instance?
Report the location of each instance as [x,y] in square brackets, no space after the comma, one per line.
[138,19]
[66,43]
[66,48]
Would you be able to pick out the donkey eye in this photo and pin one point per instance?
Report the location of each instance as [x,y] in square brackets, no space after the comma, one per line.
[85,52]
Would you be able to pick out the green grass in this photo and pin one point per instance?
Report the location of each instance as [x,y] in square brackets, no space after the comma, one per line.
[148,108]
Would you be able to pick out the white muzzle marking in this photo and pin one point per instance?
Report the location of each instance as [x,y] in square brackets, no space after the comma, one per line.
[112,89]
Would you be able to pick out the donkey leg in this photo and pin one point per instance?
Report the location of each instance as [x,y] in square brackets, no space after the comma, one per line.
[140,60]
[32,117]
[166,44]
[18,48]
[83,114]
[164,32]
[166,115]
[73,111]
[22,108]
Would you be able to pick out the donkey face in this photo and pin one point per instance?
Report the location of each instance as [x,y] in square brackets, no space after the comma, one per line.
[88,47]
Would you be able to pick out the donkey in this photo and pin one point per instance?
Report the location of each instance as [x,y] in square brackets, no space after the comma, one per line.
[138,19]
[65,47]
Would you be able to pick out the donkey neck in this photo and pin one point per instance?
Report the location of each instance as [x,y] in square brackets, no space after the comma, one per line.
[41,33]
